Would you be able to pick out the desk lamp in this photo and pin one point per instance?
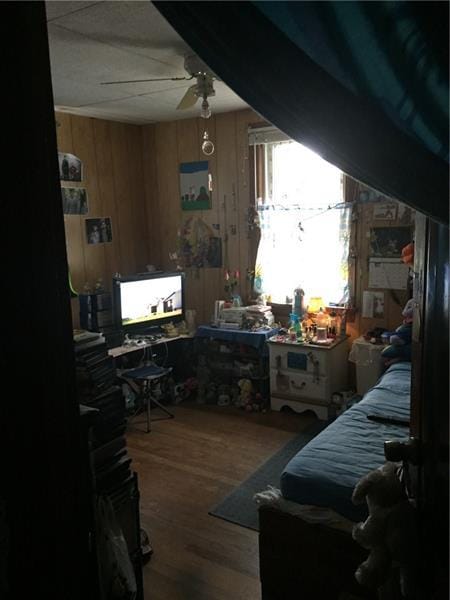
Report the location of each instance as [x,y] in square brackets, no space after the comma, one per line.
[315,304]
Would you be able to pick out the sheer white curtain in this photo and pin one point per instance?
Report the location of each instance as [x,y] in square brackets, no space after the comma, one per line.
[304,226]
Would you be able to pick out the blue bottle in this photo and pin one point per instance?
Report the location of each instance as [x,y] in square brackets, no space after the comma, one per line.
[295,329]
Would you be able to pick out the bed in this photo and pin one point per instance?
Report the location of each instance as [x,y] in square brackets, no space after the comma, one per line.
[305,533]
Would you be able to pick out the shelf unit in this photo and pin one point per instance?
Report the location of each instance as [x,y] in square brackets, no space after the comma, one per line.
[228,362]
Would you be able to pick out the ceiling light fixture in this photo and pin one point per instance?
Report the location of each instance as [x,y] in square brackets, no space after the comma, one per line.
[206,110]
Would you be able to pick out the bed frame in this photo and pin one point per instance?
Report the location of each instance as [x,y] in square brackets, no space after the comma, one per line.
[307,561]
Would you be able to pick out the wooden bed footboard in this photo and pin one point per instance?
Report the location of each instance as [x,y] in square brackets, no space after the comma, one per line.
[302,561]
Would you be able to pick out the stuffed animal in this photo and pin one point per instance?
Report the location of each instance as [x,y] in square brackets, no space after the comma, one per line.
[408,311]
[203,377]
[245,397]
[389,532]
[224,398]
[400,339]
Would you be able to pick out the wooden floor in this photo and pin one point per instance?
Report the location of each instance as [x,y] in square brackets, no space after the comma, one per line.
[185,466]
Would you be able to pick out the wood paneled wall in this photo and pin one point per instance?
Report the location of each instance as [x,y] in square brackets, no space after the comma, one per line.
[394,300]
[131,174]
[111,154]
[165,145]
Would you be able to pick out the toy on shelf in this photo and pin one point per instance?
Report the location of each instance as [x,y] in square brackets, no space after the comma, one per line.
[170,330]
[246,393]
[224,397]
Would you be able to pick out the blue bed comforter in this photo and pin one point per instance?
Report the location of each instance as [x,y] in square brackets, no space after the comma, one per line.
[327,469]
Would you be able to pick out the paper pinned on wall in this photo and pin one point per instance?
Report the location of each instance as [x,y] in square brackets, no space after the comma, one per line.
[367,305]
[373,305]
[388,273]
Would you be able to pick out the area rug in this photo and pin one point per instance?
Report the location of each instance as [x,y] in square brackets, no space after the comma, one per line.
[239,507]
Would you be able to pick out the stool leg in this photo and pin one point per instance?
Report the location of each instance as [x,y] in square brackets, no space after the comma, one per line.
[149,420]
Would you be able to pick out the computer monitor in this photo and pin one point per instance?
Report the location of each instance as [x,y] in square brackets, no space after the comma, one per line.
[145,301]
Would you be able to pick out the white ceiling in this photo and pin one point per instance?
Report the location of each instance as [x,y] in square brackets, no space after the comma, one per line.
[94,42]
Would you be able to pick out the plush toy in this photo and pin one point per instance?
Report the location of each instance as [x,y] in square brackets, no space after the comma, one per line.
[402,335]
[203,377]
[400,339]
[211,393]
[408,311]
[189,387]
[389,532]
[408,254]
[245,397]
[235,395]
[224,395]
[170,330]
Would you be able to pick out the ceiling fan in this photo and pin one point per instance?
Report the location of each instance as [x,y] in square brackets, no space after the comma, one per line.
[203,88]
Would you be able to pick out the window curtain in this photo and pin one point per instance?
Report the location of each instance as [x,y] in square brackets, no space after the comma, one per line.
[314,70]
[305,227]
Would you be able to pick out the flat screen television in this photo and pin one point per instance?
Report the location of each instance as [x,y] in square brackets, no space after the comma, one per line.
[145,301]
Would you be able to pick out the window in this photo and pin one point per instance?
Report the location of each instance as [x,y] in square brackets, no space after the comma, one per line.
[304,224]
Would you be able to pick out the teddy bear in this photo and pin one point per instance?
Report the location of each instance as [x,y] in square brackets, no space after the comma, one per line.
[399,348]
[389,532]
[245,397]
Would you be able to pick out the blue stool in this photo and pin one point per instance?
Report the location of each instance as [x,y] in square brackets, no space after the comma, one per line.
[143,380]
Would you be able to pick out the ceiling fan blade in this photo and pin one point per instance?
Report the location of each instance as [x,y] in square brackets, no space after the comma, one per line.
[145,80]
[189,99]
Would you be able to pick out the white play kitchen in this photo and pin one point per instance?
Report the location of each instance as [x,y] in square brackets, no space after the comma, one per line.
[305,376]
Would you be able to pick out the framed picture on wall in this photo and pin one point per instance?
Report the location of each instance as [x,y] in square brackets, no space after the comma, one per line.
[74,200]
[98,231]
[387,242]
[194,186]
[70,167]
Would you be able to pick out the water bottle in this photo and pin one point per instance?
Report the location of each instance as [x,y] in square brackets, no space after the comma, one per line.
[297,305]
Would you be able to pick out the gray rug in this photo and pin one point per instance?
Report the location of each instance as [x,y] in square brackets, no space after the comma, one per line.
[239,507]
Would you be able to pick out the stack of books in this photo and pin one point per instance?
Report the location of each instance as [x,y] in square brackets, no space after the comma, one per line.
[261,313]
[111,464]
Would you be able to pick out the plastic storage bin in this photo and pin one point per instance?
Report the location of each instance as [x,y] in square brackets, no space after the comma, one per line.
[367,358]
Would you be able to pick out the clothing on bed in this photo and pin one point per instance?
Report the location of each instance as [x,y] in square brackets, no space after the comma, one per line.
[327,469]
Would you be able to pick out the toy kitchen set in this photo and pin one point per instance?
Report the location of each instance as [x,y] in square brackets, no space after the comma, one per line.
[308,363]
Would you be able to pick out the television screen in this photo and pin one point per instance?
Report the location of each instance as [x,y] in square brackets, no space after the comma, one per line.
[149,299]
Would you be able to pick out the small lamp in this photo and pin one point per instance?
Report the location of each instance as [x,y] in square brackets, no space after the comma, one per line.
[315,304]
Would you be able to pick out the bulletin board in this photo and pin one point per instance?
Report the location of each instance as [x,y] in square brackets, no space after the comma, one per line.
[381,278]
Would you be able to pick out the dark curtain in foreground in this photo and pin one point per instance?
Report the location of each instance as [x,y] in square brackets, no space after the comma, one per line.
[363,84]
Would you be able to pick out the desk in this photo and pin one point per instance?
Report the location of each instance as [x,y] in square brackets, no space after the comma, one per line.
[127,348]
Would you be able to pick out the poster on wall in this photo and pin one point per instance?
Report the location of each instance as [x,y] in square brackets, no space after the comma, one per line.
[373,305]
[74,201]
[386,211]
[199,247]
[387,242]
[98,231]
[388,273]
[194,186]
[70,167]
